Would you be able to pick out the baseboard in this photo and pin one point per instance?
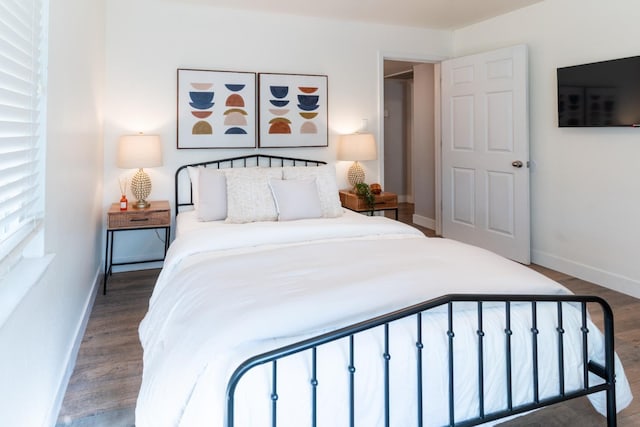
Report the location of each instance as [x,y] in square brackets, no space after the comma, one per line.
[595,275]
[423,221]
[73,351]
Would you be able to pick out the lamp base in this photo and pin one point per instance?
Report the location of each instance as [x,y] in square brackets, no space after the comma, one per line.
[141,204]
[355,175]
[141,188]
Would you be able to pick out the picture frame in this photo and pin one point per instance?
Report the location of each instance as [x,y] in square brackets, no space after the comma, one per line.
[293,110]
[216,109]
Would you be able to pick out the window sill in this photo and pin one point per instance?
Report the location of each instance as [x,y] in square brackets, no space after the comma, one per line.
[17,283]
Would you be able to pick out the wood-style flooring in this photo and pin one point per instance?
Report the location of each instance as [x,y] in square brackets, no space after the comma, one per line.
[105,383]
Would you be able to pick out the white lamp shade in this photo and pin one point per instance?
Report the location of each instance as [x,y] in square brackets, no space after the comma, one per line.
[139,151]
[357,146]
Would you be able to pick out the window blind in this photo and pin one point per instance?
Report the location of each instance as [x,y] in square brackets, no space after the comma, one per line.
[21,110]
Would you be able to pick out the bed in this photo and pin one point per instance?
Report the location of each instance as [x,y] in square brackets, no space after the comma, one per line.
[276,307]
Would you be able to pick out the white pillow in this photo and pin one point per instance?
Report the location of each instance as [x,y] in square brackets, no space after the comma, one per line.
[212,195]
[325,176]
[249,197]
[194,176]
[296,198]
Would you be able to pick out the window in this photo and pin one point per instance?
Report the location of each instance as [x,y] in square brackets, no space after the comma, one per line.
[22,59]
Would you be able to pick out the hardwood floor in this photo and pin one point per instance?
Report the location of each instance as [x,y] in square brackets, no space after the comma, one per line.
[104,385]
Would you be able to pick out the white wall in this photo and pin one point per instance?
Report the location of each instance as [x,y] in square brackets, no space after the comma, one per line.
[38,339]
[585,186]
[147,40]
[396,154]
[423,145]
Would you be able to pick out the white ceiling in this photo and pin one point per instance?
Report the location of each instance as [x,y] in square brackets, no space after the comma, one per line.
[436,14]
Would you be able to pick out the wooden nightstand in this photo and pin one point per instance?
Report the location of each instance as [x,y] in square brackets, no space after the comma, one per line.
[385,201]
[157,215]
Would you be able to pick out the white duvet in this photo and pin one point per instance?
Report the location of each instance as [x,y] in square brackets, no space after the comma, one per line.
[230,291]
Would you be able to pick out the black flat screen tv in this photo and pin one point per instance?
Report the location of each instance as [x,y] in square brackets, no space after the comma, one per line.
[600,94]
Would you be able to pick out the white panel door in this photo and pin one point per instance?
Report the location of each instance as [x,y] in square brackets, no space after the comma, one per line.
[485,151]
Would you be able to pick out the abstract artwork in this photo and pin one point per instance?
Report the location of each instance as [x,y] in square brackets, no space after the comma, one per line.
[216,109]
[293,110]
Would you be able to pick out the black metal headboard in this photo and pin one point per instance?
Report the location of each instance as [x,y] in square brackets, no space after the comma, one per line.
[262,160]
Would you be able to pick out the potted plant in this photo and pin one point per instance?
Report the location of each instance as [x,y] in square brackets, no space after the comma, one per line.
[363,190]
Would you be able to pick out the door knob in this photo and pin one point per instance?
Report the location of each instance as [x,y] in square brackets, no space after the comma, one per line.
[517,164]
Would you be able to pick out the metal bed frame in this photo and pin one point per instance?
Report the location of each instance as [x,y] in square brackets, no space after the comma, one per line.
[606,372]
[311,345]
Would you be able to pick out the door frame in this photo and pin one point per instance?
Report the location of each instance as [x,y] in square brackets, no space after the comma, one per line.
[426,58]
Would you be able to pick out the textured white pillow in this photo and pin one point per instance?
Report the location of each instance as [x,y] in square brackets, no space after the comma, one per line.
[212,195]
[325,181]
[249,197]
[296,198]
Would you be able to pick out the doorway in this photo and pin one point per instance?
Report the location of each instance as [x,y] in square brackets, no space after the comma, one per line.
[410,131]
[473,177]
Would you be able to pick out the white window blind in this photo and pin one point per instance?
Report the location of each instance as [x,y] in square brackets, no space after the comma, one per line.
[21,125]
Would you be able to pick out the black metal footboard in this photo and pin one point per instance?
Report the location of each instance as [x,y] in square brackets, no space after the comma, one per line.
[445,304]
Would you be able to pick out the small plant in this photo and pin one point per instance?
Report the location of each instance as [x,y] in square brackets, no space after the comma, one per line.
[363,190]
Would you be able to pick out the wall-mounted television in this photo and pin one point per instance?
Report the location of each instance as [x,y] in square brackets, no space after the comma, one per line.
[599,94]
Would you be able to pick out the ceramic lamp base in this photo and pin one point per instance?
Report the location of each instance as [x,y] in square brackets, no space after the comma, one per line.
[355,175]
[141,188]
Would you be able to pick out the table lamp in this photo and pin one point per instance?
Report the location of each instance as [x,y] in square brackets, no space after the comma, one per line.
[357,147]
[140,151]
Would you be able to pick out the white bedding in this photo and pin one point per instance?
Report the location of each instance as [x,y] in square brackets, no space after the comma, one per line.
[230,291]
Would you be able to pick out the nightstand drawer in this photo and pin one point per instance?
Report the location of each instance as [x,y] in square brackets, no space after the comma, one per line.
[138,219]
[382,201]
[158,214]
[386,200]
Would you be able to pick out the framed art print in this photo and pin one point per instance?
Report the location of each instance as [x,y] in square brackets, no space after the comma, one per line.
[216,109]
[292,110]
